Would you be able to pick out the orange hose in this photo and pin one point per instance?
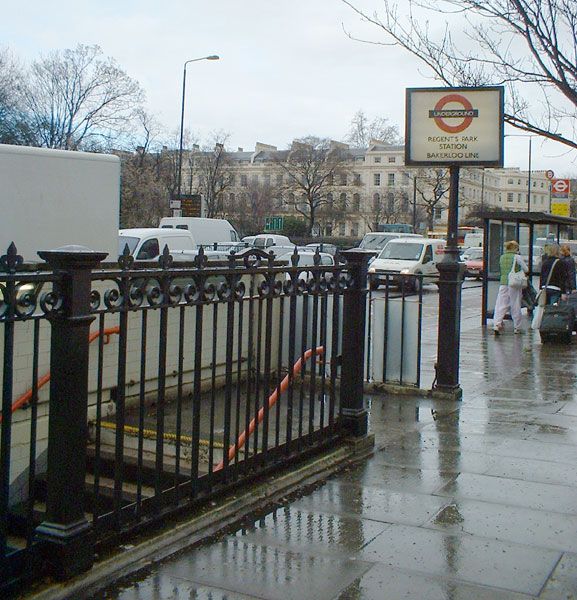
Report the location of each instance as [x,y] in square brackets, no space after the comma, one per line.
[27,396]
[271,402]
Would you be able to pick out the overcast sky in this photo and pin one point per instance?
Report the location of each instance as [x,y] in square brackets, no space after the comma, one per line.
[287,69]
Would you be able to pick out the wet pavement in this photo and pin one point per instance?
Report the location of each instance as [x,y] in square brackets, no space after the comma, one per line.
[473,500]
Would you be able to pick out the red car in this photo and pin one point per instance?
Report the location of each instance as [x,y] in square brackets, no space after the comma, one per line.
[473,258]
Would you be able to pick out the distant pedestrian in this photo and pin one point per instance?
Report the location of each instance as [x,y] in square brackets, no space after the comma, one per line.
[569,263]
[553,274]
[509,297]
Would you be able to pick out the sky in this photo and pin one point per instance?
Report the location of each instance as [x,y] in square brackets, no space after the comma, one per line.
[287,68]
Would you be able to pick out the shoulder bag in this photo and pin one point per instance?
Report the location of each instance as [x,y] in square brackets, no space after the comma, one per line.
[516,279]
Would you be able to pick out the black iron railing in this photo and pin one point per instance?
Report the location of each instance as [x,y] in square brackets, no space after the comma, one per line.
[150,389]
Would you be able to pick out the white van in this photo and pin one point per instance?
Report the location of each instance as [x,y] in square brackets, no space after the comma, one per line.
[147,244]
[408,256]
[206,232]
[473,240]
[377,240]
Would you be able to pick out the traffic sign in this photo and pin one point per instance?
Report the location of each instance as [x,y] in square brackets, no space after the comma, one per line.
[273,223]
[560,188]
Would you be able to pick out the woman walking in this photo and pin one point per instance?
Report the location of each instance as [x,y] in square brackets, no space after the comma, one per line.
[509,297]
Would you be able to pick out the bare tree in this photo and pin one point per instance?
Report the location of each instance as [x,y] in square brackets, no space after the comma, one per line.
[248,209]
[432,189]
[527,45]
[77,99]
[214,170]
[362,131]
[313,168]
[389,207]
[14,126]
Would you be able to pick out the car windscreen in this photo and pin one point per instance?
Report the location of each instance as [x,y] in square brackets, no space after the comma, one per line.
[399,251]
[375,241]
[131,241]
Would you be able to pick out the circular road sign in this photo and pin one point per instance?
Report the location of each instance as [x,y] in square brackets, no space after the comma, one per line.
[466,113]
[560,186]
[549,174]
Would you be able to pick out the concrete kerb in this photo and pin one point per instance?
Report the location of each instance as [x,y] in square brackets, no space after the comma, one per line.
[230,511]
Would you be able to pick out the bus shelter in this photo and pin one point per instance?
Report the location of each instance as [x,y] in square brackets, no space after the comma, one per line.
[532,230]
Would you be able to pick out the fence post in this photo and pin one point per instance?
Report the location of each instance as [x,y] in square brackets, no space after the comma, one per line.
[353,412]
[65,534]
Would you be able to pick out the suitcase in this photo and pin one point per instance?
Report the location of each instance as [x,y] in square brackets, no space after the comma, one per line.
[557,324]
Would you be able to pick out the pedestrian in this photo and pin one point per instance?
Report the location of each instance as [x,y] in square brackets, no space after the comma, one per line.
[509,297]
[569,263]
[553,274]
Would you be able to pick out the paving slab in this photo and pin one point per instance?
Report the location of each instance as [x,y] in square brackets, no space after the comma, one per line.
[470,559]
[383,582]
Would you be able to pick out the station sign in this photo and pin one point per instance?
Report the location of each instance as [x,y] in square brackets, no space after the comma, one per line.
[560,188]
[454,126]
[560,204]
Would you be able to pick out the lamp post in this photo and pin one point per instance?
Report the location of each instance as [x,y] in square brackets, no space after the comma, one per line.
[211,57]
[529,173]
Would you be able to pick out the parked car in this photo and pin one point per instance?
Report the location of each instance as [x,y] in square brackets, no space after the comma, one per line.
[407,256]
[473,259]
[306,259]
[328,248]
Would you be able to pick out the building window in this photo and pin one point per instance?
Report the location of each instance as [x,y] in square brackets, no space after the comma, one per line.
[330,179]
[510,197]
[391,179]
[510,181]
[231,198]
[342,229]
[243,180]
[377,159]
[376,179]
[376,202]
[343,179]
[231,179]
[354,229]
[437,213]
[255,179]
[343,201]
[356,202]
[357,179]
[330,200]
[392,159]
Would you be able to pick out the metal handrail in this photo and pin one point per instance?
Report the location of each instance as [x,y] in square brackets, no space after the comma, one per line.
[27,396]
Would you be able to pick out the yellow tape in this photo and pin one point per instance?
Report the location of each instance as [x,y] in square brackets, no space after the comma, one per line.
[150,434]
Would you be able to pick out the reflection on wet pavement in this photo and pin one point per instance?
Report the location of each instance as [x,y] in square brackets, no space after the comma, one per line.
[461,501]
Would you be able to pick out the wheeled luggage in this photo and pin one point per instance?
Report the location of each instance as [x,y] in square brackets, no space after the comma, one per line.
[557,324]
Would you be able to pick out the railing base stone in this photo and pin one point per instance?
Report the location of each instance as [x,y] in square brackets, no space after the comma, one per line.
[68,550]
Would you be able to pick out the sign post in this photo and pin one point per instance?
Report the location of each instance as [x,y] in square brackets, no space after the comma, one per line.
[451,127]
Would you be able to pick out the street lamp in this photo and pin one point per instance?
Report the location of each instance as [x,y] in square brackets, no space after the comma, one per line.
[211,57]
[530,155]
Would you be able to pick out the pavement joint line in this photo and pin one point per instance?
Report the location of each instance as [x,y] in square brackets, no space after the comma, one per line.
[233,509]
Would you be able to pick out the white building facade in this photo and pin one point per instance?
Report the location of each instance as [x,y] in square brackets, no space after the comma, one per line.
[373,187]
